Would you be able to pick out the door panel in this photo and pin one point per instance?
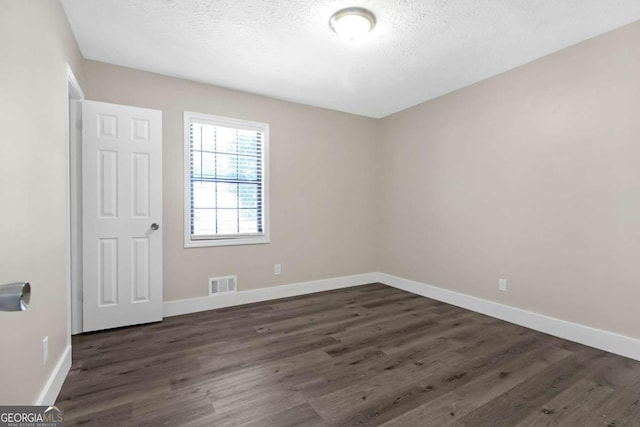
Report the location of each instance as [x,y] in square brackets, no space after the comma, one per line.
[141,184]
[108,272]
[108,183]
[141,279]
[122,197]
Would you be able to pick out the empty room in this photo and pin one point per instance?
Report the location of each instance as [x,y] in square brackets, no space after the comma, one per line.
[320,213]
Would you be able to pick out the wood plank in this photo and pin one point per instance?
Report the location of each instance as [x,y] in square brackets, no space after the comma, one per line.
[574,406]
[528,397]
[365,356]
[391,394]
[450,407]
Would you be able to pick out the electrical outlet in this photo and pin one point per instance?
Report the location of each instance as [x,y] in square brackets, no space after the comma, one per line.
[502,284]
[45,350]
[277,269]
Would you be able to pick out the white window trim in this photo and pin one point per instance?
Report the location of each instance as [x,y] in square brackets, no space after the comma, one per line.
[225,240]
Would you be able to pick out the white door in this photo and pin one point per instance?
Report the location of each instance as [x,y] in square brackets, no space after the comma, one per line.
[121,215]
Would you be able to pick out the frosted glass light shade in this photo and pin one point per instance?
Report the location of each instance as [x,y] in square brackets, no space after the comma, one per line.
[352,23]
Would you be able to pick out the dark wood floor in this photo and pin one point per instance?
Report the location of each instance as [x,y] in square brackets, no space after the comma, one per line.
[369,355]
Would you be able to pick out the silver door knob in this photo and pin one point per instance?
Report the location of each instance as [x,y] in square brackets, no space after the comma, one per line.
[15,296]
[155,226]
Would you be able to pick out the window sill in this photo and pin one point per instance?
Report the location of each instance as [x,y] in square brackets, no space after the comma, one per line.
[188,243]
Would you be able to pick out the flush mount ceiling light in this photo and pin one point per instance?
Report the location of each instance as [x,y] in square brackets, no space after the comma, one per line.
[352,23]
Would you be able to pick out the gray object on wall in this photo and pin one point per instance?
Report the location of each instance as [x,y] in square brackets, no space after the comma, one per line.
[15,296]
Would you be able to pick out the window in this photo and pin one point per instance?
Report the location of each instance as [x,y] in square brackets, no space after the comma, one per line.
[226,193]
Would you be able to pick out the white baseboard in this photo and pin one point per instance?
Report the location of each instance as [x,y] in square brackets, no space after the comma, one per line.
[193,305]
[597,338]
[51,389]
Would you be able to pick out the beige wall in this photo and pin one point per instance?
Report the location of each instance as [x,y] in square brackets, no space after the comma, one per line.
[321,183]
[532,176]
[35,44]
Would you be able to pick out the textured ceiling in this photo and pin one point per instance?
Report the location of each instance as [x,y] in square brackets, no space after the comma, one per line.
[285,49]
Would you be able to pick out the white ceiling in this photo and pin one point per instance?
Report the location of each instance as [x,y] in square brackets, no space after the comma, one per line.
[285,49]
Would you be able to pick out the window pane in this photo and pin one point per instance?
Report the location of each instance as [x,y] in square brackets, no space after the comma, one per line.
[227,166]
[227,221]
[196,157]
[248,221]
[196,133]
[248,142]
[208,138]
[248,168]
[248,195]
[204,221]
[208,164]
[227,140]
[227,195]
[204,194]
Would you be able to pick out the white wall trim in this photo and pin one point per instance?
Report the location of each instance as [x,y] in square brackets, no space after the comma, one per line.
[592,337]
[73,81]
[74,203]
[52,387]
[193,305]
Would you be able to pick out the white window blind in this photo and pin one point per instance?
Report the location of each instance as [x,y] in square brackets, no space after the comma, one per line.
[226,179]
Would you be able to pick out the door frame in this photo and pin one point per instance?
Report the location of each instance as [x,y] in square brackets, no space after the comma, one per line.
[75,95]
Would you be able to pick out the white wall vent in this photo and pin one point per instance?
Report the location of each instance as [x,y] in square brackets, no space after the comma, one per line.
[222,285]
